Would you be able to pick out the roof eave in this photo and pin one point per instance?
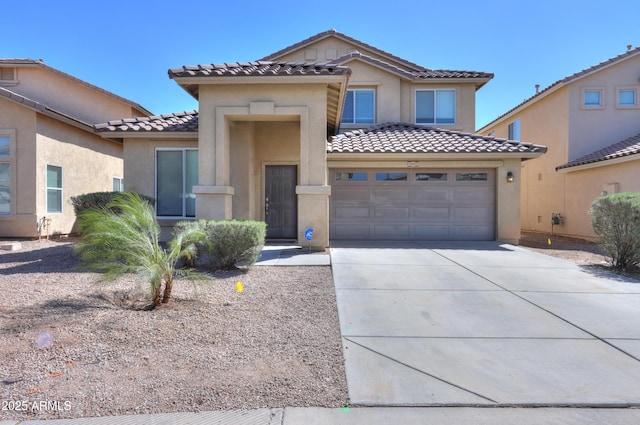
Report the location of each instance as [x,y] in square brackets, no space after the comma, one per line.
[414,156]
[600,163]
[149,134]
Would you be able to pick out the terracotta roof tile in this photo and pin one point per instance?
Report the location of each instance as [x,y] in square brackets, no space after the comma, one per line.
[259,68]
[409,138]
[175,122]
[627,147]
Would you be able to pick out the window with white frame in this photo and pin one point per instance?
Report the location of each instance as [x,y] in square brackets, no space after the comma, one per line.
[54,189]
[592,98]
[176,174]
[5,174]
[359,107]
[514,130]
[118,184]
[436,106]
[627,97]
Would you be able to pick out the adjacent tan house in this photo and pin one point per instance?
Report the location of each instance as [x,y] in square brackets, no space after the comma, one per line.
[329,134]
[49,150]
[590,122]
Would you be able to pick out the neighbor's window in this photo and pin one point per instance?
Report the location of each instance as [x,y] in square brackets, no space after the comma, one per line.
[4,146]
[514,130]
[176,174]
[359,107]
[627,97]
[118,184]
[54,189]
[5,188]
[435,106]
[592,98]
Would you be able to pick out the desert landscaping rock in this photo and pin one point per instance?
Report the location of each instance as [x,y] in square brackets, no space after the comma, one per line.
[275,344]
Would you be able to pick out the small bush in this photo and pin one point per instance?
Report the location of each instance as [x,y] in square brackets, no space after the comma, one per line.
[227,243]
[98,200]
[616,219]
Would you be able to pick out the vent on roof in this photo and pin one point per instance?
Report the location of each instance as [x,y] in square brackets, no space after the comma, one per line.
[7,75]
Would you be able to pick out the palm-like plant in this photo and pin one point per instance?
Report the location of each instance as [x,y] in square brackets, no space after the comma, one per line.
[124,238]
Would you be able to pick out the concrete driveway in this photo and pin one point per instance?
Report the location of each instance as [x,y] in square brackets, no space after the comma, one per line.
[483,324]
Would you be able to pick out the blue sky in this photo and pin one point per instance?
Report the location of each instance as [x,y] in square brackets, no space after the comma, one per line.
[127,46]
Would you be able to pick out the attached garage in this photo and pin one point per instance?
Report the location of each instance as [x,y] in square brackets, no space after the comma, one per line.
[415,204]
[409,182]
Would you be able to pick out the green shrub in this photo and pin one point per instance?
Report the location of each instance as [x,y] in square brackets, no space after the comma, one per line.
[98,200]
[616,219]
[227,243]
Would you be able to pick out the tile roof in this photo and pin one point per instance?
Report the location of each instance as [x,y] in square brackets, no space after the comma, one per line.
[409,138]
[332,32]
[176,122]
[259,69]
[627,147]
[40,64]
[569,79]
[412,75]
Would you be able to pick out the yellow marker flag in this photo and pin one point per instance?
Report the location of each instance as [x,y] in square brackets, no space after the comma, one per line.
[239,287]
[548,241]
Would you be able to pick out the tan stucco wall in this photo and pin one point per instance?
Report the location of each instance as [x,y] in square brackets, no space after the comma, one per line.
[89,164]
[68,96]
[558,121]
[590,183]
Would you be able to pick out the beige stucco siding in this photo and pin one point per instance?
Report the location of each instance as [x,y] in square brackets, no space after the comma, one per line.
[593,129]
[89,164]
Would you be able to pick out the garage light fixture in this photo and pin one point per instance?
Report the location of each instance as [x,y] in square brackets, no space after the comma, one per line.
[510,177]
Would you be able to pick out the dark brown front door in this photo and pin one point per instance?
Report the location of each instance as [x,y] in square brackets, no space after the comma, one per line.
[280,203]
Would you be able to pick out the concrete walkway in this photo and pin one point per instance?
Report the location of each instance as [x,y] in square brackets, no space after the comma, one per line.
[465,333]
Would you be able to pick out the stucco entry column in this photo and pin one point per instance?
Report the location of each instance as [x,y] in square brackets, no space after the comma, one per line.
[312,191]
[214,193]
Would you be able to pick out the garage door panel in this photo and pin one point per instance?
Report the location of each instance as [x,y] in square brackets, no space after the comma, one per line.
[355,194]
[444,208]
[427,194]
[400,213]
[390,194]
[394,231]
[431,214]
[472,214]
[432,232]
[352,231]
[352,212]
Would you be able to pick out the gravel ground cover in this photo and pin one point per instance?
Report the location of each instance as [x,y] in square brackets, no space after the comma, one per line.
[73,347]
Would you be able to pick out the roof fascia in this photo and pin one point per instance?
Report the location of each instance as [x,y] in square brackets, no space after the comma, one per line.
[149,135]
[412,156]
[274,79]
[602,163]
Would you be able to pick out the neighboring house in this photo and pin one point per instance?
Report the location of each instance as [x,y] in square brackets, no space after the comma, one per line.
[49,150]
[590,122]
[265,145]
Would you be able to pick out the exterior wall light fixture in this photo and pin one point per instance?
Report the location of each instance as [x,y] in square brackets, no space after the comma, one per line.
[510,177]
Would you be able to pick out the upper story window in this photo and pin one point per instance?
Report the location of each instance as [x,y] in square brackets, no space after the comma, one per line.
[118,184]
[359,107]
[7,76]
[514,130]
[436,106]
[627,97]
[592,98]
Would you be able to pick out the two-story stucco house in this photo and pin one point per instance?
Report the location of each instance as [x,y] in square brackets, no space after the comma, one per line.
[590,122]
[332,134]
[49,150]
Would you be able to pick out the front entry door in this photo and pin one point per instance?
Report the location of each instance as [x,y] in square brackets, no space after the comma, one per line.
[280,203]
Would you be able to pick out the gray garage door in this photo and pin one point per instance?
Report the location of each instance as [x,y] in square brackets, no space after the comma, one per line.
[413,204]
